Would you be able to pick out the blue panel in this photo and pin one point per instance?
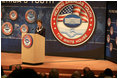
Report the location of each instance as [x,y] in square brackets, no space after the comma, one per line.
[112,14]
[11,45]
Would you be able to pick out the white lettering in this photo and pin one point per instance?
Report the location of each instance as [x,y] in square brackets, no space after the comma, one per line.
[69,41]
[72,20]
[88,11]
[58,8]
[42,2]
[83,38]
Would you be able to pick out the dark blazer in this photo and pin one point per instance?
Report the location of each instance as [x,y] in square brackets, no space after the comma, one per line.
[42,32]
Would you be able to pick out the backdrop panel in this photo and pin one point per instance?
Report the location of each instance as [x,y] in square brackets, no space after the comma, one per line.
[93,48]
[111,34]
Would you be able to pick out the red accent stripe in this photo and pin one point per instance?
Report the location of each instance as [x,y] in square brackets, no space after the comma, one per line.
[84,20]
[60,20]
[76,11]
[83,15]
[75,7]
[61,16]
[83,11]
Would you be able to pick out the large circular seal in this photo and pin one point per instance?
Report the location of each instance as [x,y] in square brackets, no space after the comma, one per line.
[24,28]
[30,16]
[27,41]
[7,28]
[13,15]
[73,22]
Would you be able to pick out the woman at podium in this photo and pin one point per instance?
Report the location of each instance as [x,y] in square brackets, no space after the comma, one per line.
[40,29]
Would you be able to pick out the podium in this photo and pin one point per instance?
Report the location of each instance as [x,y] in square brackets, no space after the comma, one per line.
[35,54]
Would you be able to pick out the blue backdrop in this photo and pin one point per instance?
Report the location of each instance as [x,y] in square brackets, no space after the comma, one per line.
[112,14]
[94,48]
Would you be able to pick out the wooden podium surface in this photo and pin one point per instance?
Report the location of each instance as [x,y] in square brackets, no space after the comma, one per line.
[36,53]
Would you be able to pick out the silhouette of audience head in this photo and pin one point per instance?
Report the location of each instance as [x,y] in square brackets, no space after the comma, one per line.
[25,73]
[54,73]
[76,74]
[101,75]
[2,72]
[42,75]
[108,72]
[86,69]
[88,73]
[18,66]
[116,76]
[15,74]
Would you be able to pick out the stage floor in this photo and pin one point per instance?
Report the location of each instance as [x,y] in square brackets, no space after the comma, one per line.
[61,63]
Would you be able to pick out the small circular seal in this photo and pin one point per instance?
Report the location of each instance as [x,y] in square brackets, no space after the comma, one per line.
[109,22]
[111,46]
[111,30]
[24,28]
[13,15]
[27,41]
[7,28]
[30,16]
[108,38]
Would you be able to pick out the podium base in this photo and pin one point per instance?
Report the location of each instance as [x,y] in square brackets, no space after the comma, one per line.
[32,63]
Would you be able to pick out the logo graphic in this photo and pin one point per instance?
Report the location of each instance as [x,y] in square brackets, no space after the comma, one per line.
[30,16]
[111,46]
[27,41]
[108,38]
[111,30]
[13,15]
[109,22]
[73,22]
[24,28]
[7,28]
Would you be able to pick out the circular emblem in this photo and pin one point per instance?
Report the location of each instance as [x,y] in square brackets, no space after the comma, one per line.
[7,28]
[109,22]
[111,30]
[73,22]
[111,46]
[30,16]
[24,28]
[13,15]
[27,41]
[108,38]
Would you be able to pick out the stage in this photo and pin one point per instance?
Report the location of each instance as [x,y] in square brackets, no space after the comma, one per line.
[65,65]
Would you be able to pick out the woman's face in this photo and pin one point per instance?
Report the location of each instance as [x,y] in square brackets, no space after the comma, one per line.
[39,24]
